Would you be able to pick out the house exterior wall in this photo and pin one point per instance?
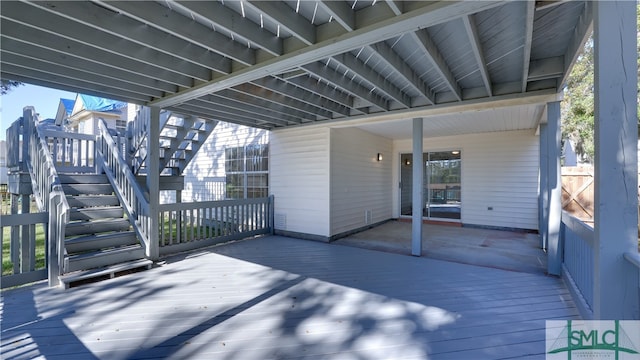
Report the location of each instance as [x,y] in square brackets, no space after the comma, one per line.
[299,180]
[360,184]
[204,177]
[499,170]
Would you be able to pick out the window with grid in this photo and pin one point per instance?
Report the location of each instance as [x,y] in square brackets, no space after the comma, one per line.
[247,171]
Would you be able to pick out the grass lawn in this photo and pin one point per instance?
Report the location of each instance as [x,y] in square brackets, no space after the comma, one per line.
[7,265]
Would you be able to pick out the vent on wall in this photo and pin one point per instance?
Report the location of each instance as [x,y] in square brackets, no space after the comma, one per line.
[280,221]
[368,217]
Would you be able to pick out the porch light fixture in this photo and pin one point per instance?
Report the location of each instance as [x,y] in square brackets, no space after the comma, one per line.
[379,157]
[407,162]
[455,152]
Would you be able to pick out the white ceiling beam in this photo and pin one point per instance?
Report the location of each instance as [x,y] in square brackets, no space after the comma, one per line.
[48,79]
[300,94]
[548,68]
[279,99]
[220,15]
[322,88]
[396,6]
[541,5]
[370,76]
[272,106]
[403,69]
[38,18]
[476,47]
[72,61]
[425,16]
[271,114]
[345,83]
[45,40]
[91,17]
[580,35]
[431,52]
[341,12]
[9,57]
[528,39]
[287,18]
[208,112]
[215,104]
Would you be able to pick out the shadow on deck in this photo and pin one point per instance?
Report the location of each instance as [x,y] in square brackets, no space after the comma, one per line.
[276,298]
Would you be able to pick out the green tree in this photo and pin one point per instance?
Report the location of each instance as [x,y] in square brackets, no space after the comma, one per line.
[577,106]
[8,85]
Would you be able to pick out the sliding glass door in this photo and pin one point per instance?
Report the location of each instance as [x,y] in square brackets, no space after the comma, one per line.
[442,185]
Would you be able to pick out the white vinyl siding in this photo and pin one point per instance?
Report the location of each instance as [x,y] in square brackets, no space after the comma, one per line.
[205,176]
[359,183]
[299,180]
[499,171]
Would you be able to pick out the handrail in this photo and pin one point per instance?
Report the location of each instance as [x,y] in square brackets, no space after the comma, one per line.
[125,185]
[633,258]
[14,153]
[139,131]
[48,192]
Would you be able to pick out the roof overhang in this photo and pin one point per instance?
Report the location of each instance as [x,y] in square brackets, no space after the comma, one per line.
[277,64]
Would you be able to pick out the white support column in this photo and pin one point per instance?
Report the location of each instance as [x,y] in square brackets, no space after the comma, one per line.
[543,191]
[153,181]
[616,163]
[554,185]
[417,193]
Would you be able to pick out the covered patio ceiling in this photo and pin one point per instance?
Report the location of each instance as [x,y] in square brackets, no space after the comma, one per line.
[275,64]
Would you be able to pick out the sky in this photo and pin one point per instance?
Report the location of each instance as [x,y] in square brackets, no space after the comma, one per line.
[44,100]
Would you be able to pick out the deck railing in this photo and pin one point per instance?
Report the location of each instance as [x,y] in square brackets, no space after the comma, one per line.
[47,191]
[634,260]
[129,192]
[27,248]
[14,140]
[71,152]
[578,242]
[187,226]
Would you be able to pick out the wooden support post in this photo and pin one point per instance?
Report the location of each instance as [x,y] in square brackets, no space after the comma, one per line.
[15,237]
[153,182]
[25,238]
[616,163]
[543,192]
[417,193]
[179,213]
[554,184]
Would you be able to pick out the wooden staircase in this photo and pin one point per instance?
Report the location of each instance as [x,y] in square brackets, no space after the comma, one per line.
[180,139]
[99,240]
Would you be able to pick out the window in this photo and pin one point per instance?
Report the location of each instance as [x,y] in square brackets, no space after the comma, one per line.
[247,171]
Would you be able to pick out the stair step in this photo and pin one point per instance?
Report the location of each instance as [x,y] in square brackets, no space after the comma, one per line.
[101,241]
[96,227]
[110,271]
[81,201]
[87,189]
[92,213]
[102,258]
[83,178]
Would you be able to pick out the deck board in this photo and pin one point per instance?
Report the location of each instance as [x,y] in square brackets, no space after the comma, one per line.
[277,298]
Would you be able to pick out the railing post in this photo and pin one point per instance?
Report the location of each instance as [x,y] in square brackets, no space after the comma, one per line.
[554,183]
[53,264]
[153,182]
[616,160]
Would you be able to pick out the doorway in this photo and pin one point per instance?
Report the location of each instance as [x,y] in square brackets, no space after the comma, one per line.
[442,185]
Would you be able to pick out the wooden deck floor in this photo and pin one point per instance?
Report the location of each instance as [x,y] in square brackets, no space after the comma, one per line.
[276,298]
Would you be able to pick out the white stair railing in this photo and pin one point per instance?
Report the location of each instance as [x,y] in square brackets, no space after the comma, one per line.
[139,141]
[48,192]
[127,189]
